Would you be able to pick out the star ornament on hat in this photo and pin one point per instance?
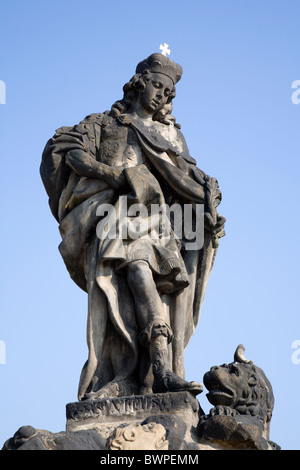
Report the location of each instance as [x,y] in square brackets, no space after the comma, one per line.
[159,63]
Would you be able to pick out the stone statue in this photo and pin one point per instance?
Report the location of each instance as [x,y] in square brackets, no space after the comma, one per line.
[243,404]
[144,292]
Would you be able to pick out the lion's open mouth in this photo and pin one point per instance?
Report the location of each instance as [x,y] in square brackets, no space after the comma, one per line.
[218,389]
[218,394]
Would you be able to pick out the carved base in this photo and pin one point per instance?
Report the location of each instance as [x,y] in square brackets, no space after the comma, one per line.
[105,415]
[163,421]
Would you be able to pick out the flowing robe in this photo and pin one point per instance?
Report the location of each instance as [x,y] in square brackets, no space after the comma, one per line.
[97,263]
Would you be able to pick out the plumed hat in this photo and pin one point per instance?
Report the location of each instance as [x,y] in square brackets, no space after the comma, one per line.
[158,63]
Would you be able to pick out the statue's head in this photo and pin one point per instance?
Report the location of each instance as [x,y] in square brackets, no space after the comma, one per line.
[153,85]
[151,436]
[160,64]
[242,386]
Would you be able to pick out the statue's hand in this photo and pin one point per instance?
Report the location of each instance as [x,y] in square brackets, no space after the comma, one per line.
[214,227]
[84,165]
[113,175]
[219,226]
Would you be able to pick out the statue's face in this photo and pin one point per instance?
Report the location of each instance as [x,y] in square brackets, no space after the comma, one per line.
[156,93]
[229,383]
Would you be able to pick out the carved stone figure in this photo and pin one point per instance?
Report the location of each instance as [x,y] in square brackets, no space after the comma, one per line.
[151,436]
[140,231]
[29,438]
[243,404]
[240,419]
[145,292]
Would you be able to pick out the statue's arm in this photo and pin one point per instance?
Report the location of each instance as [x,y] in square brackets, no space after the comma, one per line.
[85,165]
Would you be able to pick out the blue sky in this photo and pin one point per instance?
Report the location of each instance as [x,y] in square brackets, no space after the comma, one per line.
[62,60]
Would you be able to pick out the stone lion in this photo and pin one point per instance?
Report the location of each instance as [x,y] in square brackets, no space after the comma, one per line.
[151,436]
[241,388]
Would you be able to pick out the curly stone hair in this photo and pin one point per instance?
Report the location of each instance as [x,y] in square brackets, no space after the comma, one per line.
[257,400]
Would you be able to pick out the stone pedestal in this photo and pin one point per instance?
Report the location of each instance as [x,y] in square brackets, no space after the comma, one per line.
[179,410]
[164,422]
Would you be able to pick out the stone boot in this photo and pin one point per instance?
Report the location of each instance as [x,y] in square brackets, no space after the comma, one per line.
[164,379]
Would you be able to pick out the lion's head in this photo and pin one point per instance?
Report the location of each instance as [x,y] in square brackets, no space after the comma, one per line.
[242,386]
[151,436]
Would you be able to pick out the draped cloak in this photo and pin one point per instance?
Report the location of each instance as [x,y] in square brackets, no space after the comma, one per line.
[94,263]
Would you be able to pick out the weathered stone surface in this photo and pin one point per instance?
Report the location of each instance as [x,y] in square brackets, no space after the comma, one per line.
[145,288]
[40,439]
[150,436]
[151,422]
[234,432]
[107,414]
[244,402]
[176,430]
[170,421]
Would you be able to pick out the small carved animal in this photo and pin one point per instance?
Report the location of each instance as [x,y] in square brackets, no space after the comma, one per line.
[243,387]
